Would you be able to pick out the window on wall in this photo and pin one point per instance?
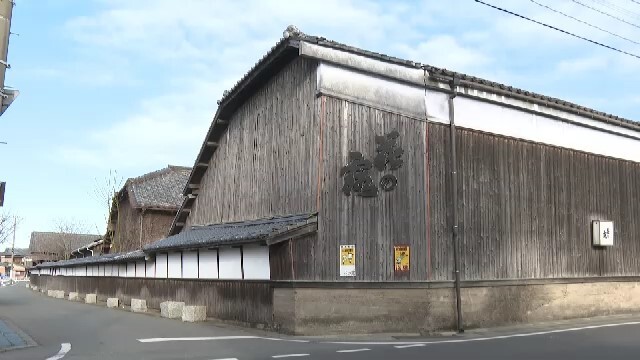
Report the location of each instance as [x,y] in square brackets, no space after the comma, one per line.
[208,263]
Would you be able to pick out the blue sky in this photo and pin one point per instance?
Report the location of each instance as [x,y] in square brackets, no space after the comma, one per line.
[132,86]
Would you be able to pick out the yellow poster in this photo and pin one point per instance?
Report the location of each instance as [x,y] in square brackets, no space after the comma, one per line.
[347,260]
[401,258]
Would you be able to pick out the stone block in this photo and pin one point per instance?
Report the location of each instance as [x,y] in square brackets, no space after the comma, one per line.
[194,313]
[58,294]
[73,296]
[113,302]
[27,285]
[171,309]
[34,288]
[50,292]
[91,299]
[138,305]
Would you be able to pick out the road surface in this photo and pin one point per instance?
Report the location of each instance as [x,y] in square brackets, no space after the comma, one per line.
[64,330]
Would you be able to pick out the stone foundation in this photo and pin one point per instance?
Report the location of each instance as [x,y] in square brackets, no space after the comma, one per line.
[332,310]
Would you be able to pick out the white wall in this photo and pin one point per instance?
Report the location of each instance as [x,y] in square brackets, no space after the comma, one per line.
[161,265]
[256,262]
[190,264]
[140,269]
[122,270]
[151,268]
[208,267]
[108,269]
[82,271]
[229,263]
[174,265]
[100,269]
[131,269]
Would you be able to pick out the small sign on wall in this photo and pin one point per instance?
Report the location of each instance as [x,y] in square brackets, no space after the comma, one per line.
[347,260]
[401,258]
[602,233]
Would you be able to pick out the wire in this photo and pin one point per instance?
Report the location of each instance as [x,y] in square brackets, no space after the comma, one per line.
[604,13]
[617,8]
[560,30]
[584,22]
[635,1]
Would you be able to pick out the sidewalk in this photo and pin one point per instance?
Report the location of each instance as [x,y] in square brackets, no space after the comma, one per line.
[12,338]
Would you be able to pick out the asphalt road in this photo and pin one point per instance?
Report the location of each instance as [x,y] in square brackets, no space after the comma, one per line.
[95,332]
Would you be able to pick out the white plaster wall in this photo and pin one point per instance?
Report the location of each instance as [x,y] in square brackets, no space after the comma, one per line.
[208,267]
[161,265]
[256,262]
[140,269]
[190,264]
[230,263]
[174,265]
[131,269]
[151,268]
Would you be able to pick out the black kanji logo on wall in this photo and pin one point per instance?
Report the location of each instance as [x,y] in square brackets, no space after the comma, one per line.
[357,173]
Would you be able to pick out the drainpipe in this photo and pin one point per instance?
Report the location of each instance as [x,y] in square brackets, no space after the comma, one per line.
[454,200]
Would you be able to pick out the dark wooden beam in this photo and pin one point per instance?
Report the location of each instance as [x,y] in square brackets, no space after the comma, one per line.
[293,233]
[222,122]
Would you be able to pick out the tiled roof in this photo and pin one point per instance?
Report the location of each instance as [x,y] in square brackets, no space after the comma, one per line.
[17,252]
[230,233]
[50,242]
[160,189]
[93,260]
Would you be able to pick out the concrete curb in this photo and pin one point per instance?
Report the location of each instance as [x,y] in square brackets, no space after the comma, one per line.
[171,309]
[138,305]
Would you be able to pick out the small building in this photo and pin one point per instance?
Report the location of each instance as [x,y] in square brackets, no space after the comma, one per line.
[340,190]
[20,256]
[142,211]
[54,246]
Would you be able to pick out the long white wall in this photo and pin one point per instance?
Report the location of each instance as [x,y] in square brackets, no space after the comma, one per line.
[250,262]
[482,111]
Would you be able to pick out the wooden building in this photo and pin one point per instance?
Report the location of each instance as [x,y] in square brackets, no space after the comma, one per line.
[423,199]
[142,211]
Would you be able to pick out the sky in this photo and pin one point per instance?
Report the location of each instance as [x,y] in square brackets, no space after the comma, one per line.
[130,86]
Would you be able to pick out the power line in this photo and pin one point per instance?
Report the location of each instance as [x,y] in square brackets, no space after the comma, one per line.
[584,22]
[617,8]
[604,13]
[635,1]
[558,29]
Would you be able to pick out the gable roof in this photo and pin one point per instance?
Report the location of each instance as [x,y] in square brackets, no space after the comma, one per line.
[234,233]
[292,45]
[48,242]
[16,252]
[159,190]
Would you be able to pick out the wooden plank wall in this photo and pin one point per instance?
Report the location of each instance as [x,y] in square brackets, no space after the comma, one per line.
[266,163]
[374,225]
[242,301]
[526,209]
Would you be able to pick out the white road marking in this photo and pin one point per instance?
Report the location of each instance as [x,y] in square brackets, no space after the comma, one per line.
[210,338]
[288,355]
[292,340]
[352,350]
[64,349]
[484,338]
[408,346]
[226,359]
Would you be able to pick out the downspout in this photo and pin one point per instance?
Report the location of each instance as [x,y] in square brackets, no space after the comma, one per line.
[141,217]
[454,201]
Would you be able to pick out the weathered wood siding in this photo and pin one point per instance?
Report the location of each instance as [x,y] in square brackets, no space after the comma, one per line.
[155,226]
[374,225]
[526,209]
[242,301]
[266,162]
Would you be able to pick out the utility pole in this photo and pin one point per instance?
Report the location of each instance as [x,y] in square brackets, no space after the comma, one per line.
[13,248]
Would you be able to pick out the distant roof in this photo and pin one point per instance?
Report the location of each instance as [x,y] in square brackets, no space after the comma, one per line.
[17,252]
[92,260]
[161,189]
[49,242]
[233,233]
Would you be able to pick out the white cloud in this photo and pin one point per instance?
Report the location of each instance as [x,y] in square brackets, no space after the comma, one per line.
[582,65]
[445,51]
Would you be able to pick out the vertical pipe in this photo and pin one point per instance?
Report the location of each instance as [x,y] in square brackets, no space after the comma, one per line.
[454,202]
[6,8]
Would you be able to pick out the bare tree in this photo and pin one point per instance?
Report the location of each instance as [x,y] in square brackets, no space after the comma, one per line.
[66,240]
[6,227]
[106,194]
